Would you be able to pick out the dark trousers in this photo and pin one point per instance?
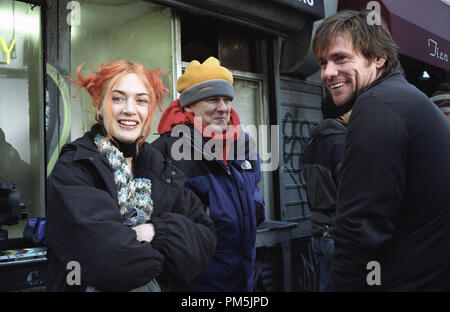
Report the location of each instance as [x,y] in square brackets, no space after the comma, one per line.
[323,248]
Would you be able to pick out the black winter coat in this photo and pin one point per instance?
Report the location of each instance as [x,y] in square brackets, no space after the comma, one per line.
[394,193]
[84,223]
[321,160]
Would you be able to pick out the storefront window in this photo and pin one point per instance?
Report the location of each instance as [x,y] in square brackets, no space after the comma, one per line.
[21,126]
[247,99]
[108,31]
[248,103]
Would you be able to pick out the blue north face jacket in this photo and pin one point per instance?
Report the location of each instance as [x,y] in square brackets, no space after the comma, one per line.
[235,205]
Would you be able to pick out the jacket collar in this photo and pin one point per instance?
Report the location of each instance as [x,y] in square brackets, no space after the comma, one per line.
[382,78]
[328,126]
[176,115]
[86,142]
[85,149]
[198,142]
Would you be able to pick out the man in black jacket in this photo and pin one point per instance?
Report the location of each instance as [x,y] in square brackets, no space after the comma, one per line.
[321,160]
[392,228]
[442,98]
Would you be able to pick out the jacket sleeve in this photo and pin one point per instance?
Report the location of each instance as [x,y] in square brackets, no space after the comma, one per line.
[371,190]
[337,156]
[184,233]
[258,198]
[84,225]
[185,236]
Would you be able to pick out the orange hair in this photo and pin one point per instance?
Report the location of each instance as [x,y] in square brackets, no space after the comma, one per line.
[97,86]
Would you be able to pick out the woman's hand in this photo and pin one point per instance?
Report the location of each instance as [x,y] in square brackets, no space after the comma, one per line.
[145,232]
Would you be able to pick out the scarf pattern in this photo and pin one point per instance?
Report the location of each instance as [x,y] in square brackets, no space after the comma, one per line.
[134,194]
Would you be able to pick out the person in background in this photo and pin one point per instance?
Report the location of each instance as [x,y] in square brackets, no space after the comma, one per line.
[221,168]
[392,230]
[321,160]
[442,98]
[116,205]
[14,170]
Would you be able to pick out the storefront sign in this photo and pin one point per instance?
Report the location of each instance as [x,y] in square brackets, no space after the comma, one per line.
[7,50]
[315,7]
[436,51]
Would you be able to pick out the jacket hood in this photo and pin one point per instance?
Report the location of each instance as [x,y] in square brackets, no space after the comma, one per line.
[327,127]
[84,146]
[396,73]
[86,142]
[176,115]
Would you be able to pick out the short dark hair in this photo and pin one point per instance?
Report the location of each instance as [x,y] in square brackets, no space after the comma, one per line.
[444,86]
[370,40]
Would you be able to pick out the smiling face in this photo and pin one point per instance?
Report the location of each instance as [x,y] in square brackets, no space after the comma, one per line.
[129,108]
[214,112]
[345,72]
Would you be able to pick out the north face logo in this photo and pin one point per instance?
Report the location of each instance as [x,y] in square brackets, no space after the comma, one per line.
[246,165]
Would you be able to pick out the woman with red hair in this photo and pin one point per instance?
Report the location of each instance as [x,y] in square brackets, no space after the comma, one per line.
[116,206]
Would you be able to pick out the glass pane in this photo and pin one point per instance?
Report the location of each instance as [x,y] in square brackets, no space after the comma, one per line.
[235,52]
[108,30]
[246,103]
[21,127]
[246,100]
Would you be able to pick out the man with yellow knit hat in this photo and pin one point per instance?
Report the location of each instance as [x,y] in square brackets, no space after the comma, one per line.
[201,135]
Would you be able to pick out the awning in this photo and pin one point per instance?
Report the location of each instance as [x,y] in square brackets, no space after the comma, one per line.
[420,28]
[276,17]
[315,8]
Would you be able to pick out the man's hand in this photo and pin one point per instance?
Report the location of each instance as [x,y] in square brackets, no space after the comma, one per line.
[145,232]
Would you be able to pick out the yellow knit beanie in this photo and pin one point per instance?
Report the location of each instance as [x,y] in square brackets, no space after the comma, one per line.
[200,81]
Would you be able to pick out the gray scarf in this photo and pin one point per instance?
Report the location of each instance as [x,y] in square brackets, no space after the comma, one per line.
[134,195]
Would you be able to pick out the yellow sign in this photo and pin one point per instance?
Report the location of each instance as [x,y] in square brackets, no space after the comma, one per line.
[6,49]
